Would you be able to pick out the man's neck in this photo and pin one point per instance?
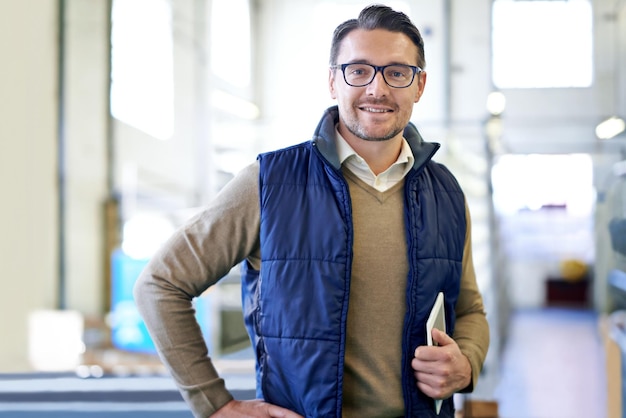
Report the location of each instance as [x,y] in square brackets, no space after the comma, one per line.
[379,155]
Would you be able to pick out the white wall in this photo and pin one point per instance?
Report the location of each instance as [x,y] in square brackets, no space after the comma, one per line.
[28,162]
[86,113]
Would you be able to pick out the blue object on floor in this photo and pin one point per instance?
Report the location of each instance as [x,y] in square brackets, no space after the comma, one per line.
[128,331]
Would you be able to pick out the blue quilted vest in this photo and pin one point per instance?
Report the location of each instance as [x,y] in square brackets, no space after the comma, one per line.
[295,308]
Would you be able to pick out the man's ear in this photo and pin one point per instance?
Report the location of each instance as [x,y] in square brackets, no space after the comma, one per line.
[331,83]
[421,79]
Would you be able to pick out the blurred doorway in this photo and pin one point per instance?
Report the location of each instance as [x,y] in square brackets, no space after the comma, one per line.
[544,207]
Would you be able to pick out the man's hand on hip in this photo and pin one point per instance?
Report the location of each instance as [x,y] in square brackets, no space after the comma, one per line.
[255,408]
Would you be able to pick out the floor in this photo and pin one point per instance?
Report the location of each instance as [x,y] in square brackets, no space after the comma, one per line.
[68,396]
[553,366]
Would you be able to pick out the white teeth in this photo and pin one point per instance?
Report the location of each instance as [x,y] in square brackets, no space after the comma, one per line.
[374,110]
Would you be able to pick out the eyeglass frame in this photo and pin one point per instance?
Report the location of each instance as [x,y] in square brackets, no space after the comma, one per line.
[377,68]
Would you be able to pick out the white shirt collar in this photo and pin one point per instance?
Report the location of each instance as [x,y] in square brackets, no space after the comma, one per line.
[356,164]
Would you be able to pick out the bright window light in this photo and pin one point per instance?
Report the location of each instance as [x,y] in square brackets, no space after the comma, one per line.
[144,233]
[534,182]
[142,66]
[230,43]
[541,44]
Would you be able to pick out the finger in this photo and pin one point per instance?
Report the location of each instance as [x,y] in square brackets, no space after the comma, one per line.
[422,366]
[441,338]
[426,389]
[426,353]
[431,385]
[278,412]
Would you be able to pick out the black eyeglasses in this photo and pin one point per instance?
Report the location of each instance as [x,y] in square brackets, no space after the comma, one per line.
[395,75]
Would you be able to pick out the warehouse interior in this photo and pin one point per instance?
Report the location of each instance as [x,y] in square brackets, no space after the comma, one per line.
[122,118]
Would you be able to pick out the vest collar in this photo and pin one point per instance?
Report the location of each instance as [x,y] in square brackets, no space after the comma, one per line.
[324,140]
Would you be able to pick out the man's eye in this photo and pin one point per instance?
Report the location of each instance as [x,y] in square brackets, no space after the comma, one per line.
[357,71]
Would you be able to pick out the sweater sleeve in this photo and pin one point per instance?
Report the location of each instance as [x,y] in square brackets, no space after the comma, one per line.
[471,330]
[197,255]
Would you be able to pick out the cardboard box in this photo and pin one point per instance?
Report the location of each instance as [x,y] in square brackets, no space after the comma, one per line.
[480,409]
[613,357]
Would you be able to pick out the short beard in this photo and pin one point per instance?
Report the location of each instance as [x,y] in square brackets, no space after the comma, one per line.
[358,132]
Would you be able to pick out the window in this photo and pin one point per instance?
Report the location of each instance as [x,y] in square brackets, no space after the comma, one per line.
[230,41]
[539,44]
[532,182]
[142,68]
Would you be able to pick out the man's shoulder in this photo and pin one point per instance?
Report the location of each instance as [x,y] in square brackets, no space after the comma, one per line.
[284,158]
[289,149]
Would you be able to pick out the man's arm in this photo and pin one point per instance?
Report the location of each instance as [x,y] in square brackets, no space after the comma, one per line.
[471,330]
[455,364]
[193,259]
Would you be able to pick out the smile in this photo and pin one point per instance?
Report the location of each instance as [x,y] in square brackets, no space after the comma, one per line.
[375,110]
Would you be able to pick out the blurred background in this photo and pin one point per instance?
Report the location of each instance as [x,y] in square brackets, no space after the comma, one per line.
[120,119]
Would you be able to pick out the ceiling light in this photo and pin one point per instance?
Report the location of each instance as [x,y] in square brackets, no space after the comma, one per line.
[496,102]
[611,127]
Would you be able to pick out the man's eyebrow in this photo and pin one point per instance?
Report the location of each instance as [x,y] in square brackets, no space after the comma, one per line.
[364,61]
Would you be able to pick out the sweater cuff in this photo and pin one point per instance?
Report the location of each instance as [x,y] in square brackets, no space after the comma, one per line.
[476,365]
[205,399]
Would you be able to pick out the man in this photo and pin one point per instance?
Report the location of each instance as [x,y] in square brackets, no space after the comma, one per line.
[346,240]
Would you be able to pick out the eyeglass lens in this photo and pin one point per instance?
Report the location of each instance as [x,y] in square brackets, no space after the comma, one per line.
[359,75]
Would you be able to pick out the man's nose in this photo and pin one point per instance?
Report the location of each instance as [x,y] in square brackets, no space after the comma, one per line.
[378,86]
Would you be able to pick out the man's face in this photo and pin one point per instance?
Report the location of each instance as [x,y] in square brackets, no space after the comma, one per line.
[375,112]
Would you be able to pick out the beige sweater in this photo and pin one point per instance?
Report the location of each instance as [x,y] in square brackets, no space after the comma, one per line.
[227,231]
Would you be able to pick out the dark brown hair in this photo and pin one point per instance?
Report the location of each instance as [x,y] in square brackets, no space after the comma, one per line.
[378,16]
